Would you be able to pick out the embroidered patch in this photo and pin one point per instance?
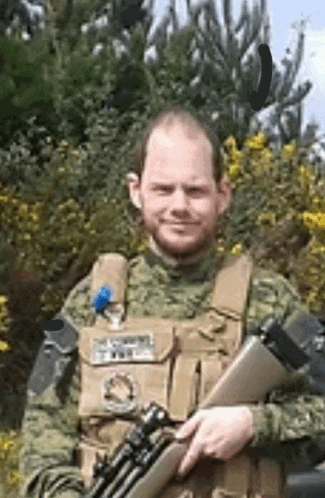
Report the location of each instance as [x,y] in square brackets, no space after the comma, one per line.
[120,393]
[119,348]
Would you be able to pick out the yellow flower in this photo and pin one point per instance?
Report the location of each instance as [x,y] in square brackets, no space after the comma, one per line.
[256,142]
[34,216]
[230,143]
[23,209]
[267,155]
[71,216]
[313,220]
[4,346]
[143,246]
[3,300]
[15,476]
[237,249]
[266,218]
[6,445]
[234,170]
[236,156]
[317,249]
[311,299]
[70,202]
[288,151]
[320,220]
[305,175]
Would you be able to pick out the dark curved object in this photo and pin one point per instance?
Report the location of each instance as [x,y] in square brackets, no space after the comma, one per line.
[306,484]
[258,99]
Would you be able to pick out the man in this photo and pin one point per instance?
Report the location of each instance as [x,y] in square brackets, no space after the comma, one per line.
[179,188]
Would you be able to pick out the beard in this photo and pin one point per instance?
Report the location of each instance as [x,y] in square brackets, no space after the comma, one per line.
[178,249]
[182,251]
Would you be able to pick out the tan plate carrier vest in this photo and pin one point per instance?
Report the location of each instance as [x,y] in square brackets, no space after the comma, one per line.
[166,372]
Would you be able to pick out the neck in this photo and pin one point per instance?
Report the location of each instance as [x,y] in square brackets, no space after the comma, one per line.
[174,261]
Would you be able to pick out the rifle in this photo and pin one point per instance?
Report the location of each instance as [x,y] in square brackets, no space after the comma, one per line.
[143,464]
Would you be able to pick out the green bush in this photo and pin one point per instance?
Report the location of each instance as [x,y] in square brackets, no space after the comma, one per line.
[278,211]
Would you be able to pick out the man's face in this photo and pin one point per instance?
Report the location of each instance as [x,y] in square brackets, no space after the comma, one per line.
[178,194]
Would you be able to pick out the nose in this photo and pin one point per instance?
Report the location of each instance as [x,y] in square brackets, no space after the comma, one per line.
[179,201]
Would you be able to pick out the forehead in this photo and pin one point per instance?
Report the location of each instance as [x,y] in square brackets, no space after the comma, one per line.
[172,154]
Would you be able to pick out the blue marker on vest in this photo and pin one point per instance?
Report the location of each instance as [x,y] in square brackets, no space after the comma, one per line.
[102,298]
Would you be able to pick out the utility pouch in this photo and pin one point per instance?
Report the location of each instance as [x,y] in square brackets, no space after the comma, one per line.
[53,357]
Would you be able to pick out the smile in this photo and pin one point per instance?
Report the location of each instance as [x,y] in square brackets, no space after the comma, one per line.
[181,224]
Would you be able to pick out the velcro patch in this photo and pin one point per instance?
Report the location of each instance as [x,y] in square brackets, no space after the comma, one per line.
[131,348]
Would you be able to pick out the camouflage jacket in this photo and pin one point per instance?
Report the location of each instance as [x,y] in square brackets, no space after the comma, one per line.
[287,425]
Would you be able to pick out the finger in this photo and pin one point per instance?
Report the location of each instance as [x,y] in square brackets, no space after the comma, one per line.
[192,455]
[189,426]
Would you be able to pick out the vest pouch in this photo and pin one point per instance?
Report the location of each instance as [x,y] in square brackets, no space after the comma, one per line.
[202,360]
[211,370]
[185,384]
[194,375]
[121,371]
[99,438]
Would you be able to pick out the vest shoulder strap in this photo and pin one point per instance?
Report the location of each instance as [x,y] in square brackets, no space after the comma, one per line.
[110,269]
[232,284]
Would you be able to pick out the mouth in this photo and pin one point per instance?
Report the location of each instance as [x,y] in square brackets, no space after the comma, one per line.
[180,223]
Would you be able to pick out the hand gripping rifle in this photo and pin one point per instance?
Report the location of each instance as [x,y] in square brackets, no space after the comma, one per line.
[141,467]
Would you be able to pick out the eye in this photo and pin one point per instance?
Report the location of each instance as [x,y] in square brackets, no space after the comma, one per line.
[164,189]
[195,190]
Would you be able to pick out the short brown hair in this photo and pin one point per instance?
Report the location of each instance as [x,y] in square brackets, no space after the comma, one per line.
[191,121]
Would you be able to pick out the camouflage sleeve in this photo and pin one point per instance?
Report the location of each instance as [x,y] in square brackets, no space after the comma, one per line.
[47,459]
[291,424]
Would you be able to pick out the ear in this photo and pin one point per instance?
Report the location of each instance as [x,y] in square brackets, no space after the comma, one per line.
[133,185]
[225,188]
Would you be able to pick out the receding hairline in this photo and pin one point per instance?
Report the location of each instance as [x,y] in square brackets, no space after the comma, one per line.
[187,125]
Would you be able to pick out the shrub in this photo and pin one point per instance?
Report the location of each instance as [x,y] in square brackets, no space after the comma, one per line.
[278,212]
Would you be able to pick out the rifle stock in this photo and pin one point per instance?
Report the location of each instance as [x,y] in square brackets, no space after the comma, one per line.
[241,383]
